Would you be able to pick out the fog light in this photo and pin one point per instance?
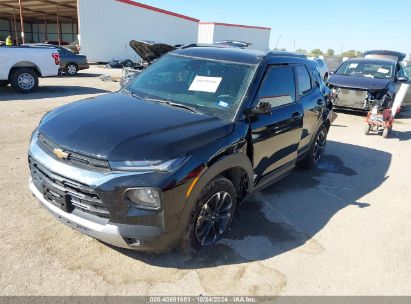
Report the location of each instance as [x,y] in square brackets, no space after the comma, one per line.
[144,198]
[134,242]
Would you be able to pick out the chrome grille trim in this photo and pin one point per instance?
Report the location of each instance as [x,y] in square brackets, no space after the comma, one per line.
[76,158]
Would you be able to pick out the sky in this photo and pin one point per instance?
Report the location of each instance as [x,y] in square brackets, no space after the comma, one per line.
[351,24]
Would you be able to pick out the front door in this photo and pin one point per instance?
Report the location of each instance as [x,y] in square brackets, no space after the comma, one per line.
[275,137]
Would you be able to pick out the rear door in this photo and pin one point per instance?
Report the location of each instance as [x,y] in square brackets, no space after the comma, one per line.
[312,101]
[275,137]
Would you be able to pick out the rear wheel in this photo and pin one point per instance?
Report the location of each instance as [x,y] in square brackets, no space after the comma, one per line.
[367,129]
[316,150]
[211,216]
[71,69]
[24,80]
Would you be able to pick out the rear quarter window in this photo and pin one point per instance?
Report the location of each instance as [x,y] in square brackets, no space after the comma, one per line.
[304,80]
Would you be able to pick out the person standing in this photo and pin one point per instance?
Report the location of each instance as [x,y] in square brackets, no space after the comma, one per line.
[9,42]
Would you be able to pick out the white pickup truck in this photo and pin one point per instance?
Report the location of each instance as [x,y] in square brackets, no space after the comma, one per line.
[22,66]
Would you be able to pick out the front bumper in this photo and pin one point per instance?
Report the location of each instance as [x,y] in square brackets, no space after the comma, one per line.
[107,233]
[124,225]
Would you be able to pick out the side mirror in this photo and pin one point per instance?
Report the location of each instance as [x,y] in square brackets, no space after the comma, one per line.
[262,108]
[403,79]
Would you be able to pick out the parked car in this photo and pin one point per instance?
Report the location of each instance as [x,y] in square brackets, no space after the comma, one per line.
[56,42]
[168,159]
[378,76]
[323,68]
[70,62]
[22,66]
[74,46]
[149,51]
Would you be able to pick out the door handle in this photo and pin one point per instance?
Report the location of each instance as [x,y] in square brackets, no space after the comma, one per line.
[320,102]
[296,116]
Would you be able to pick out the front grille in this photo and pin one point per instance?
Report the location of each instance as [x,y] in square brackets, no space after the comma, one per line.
[65,193]
[75,158]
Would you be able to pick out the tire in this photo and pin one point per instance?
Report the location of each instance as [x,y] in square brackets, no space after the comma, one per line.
[211,216]
[367,129]
[316,150]
[24,80]
[387,131]
[71,69]
[4,83]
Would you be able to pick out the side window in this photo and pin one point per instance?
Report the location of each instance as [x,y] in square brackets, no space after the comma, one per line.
[278,87]
[304,80]
[317,77]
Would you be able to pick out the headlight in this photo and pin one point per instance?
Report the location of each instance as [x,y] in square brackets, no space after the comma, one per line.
[147,165]
[144,198]
[34,134]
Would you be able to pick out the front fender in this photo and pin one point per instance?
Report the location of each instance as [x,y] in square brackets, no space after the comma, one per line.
[209,173]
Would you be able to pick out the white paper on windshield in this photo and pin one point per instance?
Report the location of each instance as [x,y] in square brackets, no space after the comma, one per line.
[205,84]
[353,65]
[384,71]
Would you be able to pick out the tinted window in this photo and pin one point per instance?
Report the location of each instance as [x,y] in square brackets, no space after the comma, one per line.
[304,80]
[278,87]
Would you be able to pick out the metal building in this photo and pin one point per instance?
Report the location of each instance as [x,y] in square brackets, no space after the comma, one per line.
[210,32]
[104,28]
[107,26]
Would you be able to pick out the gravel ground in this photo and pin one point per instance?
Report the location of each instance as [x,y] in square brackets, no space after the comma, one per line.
[341,229]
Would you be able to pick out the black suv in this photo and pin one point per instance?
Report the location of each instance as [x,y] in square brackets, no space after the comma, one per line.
[166,160]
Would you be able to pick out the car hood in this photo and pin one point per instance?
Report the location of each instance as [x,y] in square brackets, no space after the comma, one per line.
[359,83]
[120,127]
[150,51]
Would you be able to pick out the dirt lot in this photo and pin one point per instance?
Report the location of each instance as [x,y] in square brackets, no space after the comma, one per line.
[342,229]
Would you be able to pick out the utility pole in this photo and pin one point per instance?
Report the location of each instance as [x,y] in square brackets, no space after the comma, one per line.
[278,42]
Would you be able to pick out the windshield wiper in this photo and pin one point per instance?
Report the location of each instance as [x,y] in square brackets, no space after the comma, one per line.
[166,102]
[173,104]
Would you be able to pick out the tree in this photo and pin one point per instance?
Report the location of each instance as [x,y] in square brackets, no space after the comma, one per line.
[350,54]
[316,52]
[330,52]
[301,51]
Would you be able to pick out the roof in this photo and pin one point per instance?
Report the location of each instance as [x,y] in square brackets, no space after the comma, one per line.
[372,60]
[39,9]
[238,55]
[238,25]
[158,10]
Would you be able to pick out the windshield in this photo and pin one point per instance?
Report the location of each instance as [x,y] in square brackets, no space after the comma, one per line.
[366,69]
[407,70]
[211,87]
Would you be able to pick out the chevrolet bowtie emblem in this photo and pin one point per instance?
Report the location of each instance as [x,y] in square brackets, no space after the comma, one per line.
[60,153]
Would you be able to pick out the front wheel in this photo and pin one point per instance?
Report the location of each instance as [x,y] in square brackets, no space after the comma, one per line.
[316,150]
[386,132]
[211,216]
[24,80]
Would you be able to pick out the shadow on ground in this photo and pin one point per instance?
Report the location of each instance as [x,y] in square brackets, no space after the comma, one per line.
[288,214]
[8,94]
